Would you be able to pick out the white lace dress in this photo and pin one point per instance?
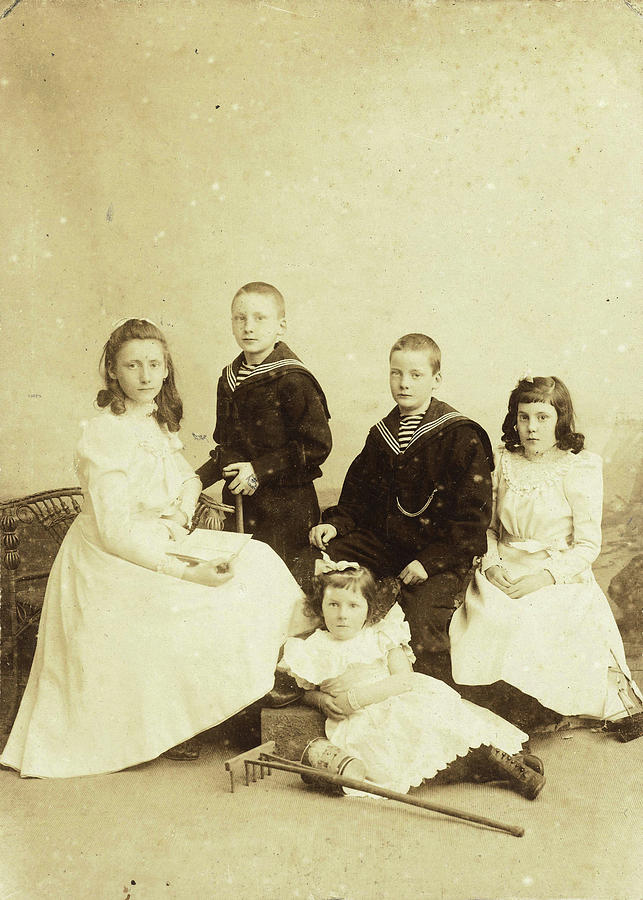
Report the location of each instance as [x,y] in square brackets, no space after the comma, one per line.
[559,644]
[408,737]
[131,660]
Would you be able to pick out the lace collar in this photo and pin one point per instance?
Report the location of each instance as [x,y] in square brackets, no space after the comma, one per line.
[148,433]
[527,475]
[140,411]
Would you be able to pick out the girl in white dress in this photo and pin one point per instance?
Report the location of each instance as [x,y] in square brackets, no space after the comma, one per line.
[534,616]
[136,650]
[404,726]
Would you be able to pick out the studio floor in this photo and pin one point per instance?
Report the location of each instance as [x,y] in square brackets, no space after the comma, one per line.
[173,830]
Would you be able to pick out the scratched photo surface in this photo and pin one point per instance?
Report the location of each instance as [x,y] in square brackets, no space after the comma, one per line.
[466,170]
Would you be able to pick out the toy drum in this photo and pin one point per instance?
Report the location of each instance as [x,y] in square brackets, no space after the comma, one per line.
[321,754]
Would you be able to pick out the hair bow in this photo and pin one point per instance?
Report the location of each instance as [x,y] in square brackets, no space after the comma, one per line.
[527,376]
[326,565]
[125,319]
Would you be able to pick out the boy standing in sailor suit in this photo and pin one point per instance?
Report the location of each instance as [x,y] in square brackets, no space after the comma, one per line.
[416,502]
[272,426]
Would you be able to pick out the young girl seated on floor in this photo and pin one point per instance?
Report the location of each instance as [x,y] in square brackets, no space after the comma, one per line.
[536,636]
[404,726]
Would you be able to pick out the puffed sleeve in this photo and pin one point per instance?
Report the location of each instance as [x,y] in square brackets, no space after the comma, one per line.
[393,631]
[302,660]
[583,487]
[104,453]
[491,557]
[191,486]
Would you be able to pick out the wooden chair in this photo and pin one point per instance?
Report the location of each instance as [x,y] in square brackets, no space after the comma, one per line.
[31,531]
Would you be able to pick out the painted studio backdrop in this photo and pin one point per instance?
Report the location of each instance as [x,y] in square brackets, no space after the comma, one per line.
[467,170]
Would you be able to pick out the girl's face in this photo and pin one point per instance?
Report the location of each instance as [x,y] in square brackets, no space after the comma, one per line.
[140,369]
[536,424]
[344,612]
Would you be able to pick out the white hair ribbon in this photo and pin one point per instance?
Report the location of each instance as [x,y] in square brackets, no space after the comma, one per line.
[122,321]
[326,565]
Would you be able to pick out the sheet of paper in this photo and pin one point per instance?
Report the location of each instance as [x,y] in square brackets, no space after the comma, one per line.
[203,545]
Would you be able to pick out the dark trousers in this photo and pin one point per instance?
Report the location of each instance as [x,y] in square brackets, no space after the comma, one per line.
[428,607]
[507,701]
[280,516]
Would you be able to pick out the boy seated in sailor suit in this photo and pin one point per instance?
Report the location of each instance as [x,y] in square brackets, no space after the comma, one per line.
[271,428]
[416,502]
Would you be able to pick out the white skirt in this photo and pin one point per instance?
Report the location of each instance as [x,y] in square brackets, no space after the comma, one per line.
[412,736]
[559,644]
[130,662]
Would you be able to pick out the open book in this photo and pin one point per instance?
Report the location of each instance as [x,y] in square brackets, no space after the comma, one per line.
[204,545]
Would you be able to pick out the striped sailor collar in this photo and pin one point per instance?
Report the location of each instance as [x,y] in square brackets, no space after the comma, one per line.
[280,359]
[437,416]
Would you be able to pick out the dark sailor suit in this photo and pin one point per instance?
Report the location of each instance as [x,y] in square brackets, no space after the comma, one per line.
[430,502]
[277,419]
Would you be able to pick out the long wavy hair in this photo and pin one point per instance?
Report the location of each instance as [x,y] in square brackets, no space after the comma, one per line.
[380,595]
[550,390]
[169,405]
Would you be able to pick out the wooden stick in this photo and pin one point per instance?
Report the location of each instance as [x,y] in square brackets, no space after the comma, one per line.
[368,788]
[238,509]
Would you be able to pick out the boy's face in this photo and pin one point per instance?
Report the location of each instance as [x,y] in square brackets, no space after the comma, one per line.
[412,381]
[256,326]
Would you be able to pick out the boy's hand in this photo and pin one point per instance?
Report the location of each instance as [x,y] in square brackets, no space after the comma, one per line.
[320,535]
[246,481]
[414,573]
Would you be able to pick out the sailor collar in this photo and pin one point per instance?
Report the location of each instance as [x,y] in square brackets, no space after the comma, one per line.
[438,416]
[281,358]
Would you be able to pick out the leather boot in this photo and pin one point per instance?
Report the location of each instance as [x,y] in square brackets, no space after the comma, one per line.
[517,771]
[285,691]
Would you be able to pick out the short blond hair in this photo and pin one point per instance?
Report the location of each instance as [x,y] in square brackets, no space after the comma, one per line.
[421,343]
[266,290]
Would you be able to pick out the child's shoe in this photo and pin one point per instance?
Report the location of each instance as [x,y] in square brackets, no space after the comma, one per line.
[534,762]
[186,750]
[518,771]
[628,728]
[285,691]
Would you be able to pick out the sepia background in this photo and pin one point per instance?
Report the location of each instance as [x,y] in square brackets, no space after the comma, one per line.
[469,170]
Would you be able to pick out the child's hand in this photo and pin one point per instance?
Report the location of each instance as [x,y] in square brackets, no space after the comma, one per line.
[320,535]
[344,682]
[331,708]
[414,573]
[176,532]
[527,584]
[341,703]
[179,516]
[246,481]
[211,574]
[499,578]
